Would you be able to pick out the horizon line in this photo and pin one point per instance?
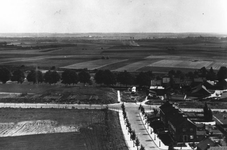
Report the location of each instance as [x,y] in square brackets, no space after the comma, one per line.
[109,32]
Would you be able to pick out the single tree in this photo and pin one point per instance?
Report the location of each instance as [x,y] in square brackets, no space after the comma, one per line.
[109,78]
[123,106]
[69,77]
[203,71]
[222,74]
[171,73]
[4,75]
[133,136]
[84,77]
[99,76]
[35,76]
[51,77]
[125,78]
[142,148]
[18,76]
[208,115]
[137,143]
[144,78]
[211,75]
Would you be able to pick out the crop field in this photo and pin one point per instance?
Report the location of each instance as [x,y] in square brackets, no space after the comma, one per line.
[181,64]
[130,55]
[135,66]
[94,64]
[217,65]
[50,129]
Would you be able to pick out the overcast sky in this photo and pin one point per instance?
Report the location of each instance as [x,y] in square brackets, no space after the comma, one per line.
[72,16]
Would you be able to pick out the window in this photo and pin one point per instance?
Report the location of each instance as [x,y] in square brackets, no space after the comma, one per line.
[191,137]
[191,129]
[184,130]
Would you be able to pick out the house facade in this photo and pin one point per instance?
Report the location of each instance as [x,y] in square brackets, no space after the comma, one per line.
[181,128]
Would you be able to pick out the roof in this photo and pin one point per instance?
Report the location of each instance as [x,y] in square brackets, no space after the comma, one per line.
[200,89]
[204,144]
[166,107]
[156,87]
[175,116]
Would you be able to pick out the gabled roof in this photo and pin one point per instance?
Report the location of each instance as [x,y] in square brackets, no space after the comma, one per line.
[175,116]
[166,107]
[200,89]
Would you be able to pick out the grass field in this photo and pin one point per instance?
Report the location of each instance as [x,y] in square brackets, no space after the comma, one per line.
[93,134]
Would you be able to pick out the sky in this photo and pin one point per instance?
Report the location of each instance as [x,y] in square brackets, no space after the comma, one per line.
[79,16]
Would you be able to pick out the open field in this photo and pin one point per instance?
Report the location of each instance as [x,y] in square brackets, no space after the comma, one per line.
[41,93]
[135,66]
[94,64]
[90,134]
[194,64]
[130,55]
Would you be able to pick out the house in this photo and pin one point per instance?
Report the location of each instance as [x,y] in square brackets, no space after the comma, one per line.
[178,82]
[210,84]
[159,90]
[181,128]
[199,91]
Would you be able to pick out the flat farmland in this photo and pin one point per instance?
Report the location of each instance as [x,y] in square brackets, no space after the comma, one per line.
[181,64]
[136,65]
[91,130]
[130,55]
[94,64]
[217,65]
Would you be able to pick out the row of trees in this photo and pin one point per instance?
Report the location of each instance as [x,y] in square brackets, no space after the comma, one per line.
[131,132]
[105,77]
[51,76]
[125,78]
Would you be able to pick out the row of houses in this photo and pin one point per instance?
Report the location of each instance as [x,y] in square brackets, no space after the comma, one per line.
[190,127]
[197,87]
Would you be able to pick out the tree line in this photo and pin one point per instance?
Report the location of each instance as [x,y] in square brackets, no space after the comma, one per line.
[104,77]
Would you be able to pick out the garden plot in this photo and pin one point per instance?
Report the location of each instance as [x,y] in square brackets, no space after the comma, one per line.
[134,66]
[34,127]
[193,64]
[94,64]
[218,65]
